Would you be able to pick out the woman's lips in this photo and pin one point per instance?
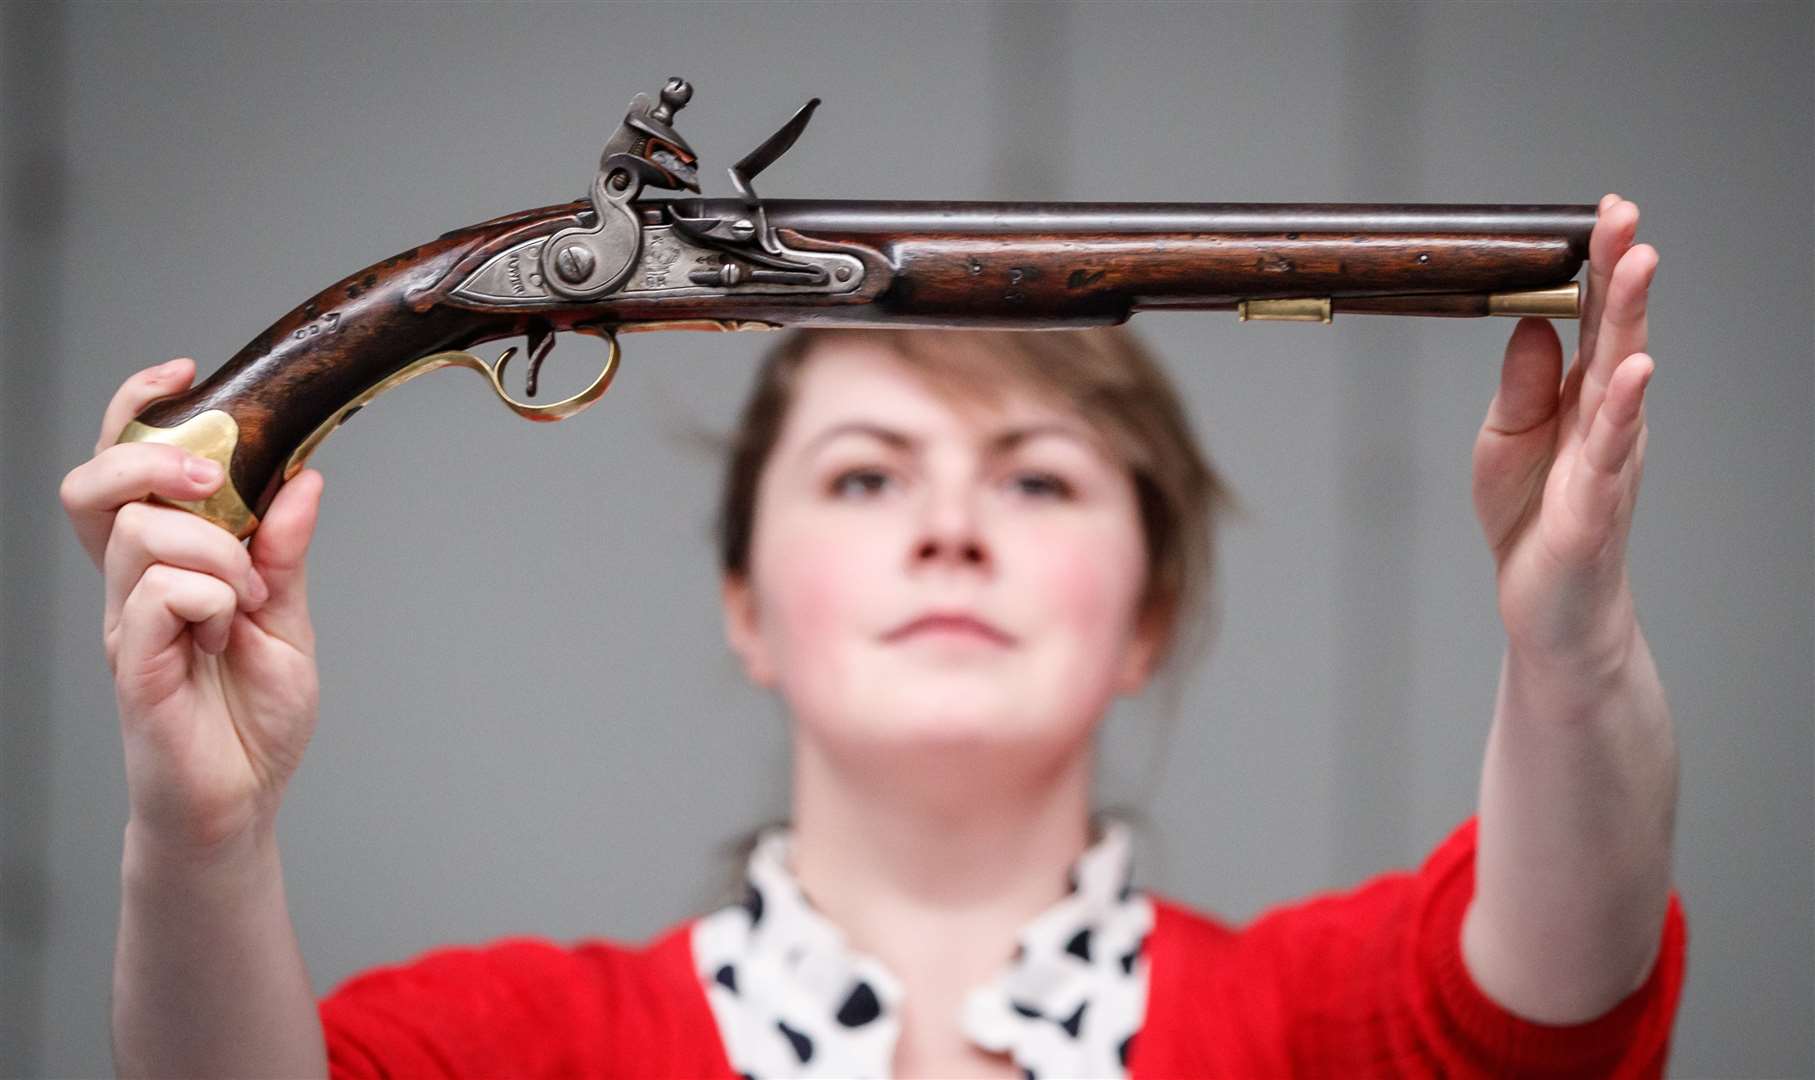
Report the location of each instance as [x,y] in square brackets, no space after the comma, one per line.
[950,623]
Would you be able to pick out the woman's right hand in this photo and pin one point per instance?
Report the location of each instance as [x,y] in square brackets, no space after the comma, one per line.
[210,644]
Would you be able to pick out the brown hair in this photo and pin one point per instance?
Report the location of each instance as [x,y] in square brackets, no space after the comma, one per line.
[1104,374]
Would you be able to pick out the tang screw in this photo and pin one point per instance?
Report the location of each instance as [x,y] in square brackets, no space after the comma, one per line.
[574,263]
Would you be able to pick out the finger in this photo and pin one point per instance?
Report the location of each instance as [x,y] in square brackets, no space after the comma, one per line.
[1615,225]
[1637,467]
[139,390]
[144,534]
[1529,374]
[94,491]
[1623,326]
[1597,486]
[1570,397]
[1615,431]
[279,553]
[165,603]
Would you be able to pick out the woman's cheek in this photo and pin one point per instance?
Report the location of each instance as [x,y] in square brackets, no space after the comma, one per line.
[1089,581]
[818,584]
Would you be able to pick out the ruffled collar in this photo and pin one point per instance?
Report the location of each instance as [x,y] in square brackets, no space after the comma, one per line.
[791,998]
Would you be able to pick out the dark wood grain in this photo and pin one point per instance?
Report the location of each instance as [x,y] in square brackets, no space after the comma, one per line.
[329,349]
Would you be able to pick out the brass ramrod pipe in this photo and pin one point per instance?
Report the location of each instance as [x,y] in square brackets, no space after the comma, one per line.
[1558,302]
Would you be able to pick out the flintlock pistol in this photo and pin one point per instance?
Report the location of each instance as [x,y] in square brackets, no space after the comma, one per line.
[616,262]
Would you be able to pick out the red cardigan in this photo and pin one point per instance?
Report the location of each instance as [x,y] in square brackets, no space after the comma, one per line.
[1365,983]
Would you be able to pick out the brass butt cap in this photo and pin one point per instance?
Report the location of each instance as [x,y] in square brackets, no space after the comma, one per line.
[212,435]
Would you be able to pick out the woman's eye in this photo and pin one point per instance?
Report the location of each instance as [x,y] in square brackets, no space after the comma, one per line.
[865,482]
[859,482]
[1038,483]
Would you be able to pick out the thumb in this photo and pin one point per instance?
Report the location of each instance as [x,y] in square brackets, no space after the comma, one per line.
[1511,453]
[1529,375]
[279,550]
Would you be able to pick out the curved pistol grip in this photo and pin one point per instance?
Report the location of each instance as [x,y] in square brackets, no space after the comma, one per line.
[264,411]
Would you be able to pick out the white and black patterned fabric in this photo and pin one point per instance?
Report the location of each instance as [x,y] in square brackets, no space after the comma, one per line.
[791,999]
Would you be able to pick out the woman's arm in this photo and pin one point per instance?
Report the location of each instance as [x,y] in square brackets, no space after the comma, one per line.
[1578,790]
[1572,872]
[208,977]
[213,657]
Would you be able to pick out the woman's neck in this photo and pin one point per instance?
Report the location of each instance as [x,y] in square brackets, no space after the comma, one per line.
[933,864]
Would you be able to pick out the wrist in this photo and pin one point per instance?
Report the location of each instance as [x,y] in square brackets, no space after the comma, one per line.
[1578,686]
[197,819]
[1598,658]
[152,860]
[1587,627]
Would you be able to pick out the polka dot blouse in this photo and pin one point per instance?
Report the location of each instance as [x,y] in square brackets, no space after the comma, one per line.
[791,998]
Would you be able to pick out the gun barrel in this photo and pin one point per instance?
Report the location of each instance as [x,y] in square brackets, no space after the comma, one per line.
[1081,264]
[1571,222]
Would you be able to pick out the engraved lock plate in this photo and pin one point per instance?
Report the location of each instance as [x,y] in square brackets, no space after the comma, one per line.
[583,264]
[665,261]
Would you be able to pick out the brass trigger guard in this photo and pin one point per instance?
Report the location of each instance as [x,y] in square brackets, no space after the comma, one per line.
[493,372]
[554,410]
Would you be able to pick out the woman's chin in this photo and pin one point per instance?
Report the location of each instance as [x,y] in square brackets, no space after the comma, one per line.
[956,712]
[931,699]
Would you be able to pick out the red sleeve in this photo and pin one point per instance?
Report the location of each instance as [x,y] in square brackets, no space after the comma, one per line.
[1469,1032]
[1371,982]
[525,1007]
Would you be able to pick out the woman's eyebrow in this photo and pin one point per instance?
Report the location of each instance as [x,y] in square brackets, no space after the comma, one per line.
[1000,442]
[888,435]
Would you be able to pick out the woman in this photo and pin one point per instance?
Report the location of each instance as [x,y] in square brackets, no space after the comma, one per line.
[948,564]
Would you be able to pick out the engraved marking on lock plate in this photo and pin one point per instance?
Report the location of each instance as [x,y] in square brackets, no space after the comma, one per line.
[508,278]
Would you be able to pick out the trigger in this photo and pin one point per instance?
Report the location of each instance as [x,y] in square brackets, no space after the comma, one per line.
[541,343]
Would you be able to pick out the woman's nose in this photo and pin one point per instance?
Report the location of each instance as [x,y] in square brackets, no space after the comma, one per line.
[934,549]
[950,532]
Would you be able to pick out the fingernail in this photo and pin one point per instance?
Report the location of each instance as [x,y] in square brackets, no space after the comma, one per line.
[260,591]
[201,470]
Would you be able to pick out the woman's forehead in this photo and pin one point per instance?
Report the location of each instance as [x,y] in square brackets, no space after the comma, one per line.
[866,381]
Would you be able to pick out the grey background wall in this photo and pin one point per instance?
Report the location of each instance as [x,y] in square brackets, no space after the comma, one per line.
[530,722]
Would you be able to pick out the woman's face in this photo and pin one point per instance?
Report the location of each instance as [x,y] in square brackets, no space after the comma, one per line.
[881,504]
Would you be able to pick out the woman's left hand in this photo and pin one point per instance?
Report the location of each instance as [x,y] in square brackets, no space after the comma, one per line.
[1558,461]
